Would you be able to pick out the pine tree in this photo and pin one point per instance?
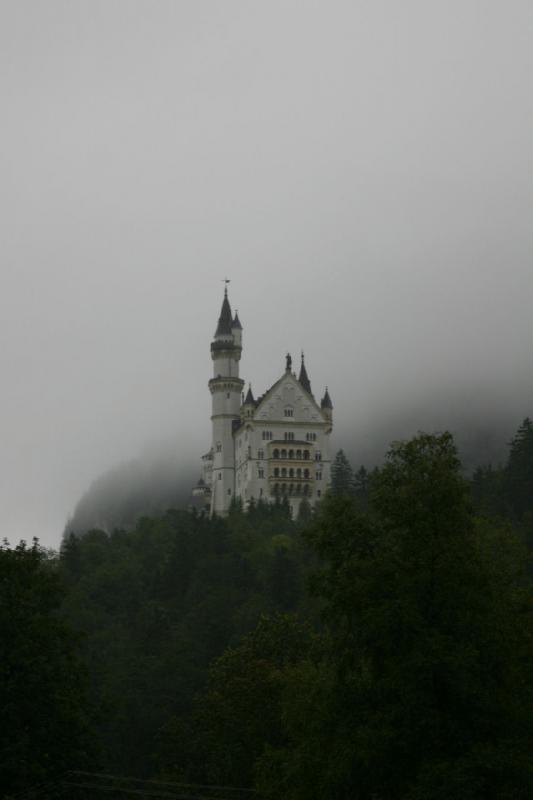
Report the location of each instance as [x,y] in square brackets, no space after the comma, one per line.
[518,480]
[342,477]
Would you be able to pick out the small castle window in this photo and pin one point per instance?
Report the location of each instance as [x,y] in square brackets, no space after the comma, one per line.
[276,472]
[261,473]
[291,453]
[318,456]
[276,453]
[306,473]
[219,447]
[220,476]
[288,436]
[291,473]
[319,476]
[298,473]
[284,454]
[298,454]
[306,455]
[229,491]
[260,454]
[283,473]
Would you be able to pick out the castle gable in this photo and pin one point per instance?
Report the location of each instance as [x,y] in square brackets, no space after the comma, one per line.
[287,400]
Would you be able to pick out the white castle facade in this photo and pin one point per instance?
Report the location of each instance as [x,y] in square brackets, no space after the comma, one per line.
[267,449]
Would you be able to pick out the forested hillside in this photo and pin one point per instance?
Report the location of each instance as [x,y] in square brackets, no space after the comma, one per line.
[380,648]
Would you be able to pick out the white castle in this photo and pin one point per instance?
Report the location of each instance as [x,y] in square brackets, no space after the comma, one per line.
[267,449]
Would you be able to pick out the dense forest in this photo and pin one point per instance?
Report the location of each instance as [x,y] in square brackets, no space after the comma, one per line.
[377,649]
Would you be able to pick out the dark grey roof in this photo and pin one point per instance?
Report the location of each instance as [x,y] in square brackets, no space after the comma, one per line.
[303,378]
[249,396]
[237,322]
[225,321]
[326,400]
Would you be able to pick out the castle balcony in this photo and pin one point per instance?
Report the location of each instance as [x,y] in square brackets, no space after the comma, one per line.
[290,488]
[290,474]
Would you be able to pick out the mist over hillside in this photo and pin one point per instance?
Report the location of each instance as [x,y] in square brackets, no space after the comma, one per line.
[159,479]
[162,476]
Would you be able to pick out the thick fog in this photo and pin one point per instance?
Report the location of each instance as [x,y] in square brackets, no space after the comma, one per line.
[361,171]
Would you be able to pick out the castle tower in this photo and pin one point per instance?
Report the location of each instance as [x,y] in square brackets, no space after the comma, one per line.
[225,387]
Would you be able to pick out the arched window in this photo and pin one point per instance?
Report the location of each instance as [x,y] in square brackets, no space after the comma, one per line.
[299,489]
[298,454]
[276,472]
[283,473]
[306,489]
[276,453]
[306,455]
[276,488]
[298,473]
[306,473]
[284,454]
[291,473]
[291,453]
[291,488]
[283,488]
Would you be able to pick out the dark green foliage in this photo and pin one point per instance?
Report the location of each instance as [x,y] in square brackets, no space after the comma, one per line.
[239,713]
[160,602]
[424,691]
[43,727]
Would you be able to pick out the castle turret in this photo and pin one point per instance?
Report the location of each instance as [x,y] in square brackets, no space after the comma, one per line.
[225,387]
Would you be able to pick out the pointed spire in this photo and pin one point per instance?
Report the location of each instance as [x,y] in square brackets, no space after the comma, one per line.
[236,321]
[326,400]
[249,397]
[303,377]
[225,321]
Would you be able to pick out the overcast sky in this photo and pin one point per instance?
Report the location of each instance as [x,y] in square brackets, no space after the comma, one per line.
[362,171]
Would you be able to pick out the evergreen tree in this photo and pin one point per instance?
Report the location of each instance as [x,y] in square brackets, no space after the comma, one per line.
[518,477]
[342,477]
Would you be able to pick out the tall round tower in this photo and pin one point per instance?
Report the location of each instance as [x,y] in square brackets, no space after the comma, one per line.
[225,387]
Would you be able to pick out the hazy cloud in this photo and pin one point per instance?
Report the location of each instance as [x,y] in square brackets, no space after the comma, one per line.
[361,170]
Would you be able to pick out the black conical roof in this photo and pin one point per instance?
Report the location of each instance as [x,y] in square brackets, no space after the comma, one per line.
[326,400]
[249,397]
[225,321]
[303,377]
[237,322]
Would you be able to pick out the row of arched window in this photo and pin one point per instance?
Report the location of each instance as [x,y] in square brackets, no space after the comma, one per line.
[299,454]
[291,473]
